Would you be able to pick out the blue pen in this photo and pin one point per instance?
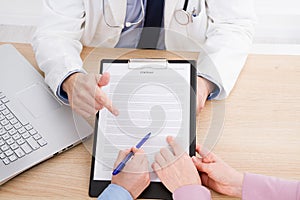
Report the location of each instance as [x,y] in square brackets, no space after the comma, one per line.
[125,160]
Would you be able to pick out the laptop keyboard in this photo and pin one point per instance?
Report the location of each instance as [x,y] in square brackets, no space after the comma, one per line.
[17,137]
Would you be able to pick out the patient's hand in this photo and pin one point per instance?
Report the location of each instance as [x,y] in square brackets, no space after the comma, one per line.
[175,169]
[85,93]
[218,175]
[135,175]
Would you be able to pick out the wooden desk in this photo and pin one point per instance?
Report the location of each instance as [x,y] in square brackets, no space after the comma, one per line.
[261,131]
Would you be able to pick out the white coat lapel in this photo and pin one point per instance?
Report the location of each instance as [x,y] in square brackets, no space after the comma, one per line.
[117,12]
[115,16]
[170,7]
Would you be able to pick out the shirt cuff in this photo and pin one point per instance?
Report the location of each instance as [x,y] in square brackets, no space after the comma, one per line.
[60,93]
[192,192]
[115,192]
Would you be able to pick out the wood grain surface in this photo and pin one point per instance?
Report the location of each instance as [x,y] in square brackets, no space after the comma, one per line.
[260,128]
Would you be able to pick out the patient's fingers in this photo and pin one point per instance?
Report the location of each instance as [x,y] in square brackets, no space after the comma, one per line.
[139,156]
[121,156]
[201,166]
[175,146]
[166,154]
[155,166]
[207,157]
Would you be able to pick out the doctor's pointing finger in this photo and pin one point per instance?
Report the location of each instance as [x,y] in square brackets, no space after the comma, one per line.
[85,93]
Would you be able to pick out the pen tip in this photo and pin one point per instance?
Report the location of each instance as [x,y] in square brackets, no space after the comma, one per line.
[114,173]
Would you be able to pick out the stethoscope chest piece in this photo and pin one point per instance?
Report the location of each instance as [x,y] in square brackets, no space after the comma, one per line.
[182,17]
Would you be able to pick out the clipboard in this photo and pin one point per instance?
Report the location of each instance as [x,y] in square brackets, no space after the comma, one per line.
[141,71]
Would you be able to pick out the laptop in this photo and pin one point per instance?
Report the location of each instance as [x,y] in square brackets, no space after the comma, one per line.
[34,125]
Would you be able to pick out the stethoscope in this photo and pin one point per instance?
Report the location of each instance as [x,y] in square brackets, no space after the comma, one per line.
[182,16]
[127,24]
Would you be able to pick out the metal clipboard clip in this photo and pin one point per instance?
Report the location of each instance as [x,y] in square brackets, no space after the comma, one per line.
[155,63]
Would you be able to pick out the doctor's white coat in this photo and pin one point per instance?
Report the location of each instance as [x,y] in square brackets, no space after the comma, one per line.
[222,33]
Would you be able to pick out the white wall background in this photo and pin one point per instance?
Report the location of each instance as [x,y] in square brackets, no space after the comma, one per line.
[20,12]
[278,22]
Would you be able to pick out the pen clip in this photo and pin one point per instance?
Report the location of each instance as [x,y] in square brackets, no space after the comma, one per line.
[194,12]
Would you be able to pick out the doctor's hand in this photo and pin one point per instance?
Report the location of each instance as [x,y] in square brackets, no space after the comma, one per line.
[218,175]
[85,93]
[135,176]
[204,88]
[175,168]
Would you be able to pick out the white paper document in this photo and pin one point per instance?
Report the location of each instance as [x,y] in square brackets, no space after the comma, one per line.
[149,99]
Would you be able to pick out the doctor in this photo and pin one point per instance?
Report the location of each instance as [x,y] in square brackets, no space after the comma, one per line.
[221,31]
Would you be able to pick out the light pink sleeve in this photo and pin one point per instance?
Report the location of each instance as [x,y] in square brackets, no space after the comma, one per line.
[261,187]
[192,192]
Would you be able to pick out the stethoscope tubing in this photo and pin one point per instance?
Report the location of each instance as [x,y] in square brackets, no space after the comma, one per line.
[182,17]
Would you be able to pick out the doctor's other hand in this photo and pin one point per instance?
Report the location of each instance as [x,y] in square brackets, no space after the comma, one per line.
[85,93]
[218,175]
[204,88]
[175,167]
[135,176]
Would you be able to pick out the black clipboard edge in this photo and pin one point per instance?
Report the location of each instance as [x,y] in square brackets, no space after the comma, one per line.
[154,190]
